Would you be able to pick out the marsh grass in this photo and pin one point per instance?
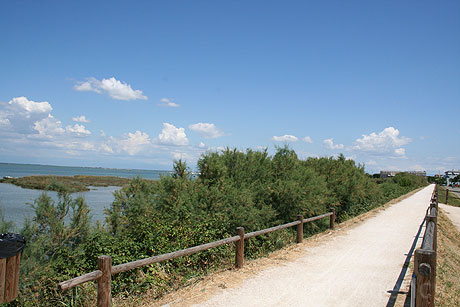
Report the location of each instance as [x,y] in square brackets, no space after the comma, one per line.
[71,184]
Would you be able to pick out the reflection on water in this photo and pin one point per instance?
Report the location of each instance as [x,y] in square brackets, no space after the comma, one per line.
[14,201]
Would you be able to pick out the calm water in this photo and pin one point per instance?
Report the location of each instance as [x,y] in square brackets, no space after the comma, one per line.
[14,200]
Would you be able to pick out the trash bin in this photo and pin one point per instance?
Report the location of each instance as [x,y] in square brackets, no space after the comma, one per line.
[11,246]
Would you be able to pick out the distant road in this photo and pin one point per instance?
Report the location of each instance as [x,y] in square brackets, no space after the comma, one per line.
[353,267]
[456,191]
[453,213]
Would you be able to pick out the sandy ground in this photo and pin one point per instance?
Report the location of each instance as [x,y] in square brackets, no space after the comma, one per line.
[453,213]
[353,267]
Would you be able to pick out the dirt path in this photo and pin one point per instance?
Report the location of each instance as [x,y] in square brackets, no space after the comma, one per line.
[453,213]
[354,267]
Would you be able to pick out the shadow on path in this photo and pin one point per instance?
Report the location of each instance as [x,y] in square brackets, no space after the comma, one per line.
[397,288]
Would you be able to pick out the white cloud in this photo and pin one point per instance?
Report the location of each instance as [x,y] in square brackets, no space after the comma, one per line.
[132,143]
[29,106]
[165,102]
[49,127]
[206,130]
[113,87]
[307,139]
[20,114]
[386,142]
[329,143]
[285,138]
[400,151]
[78,130]
[183,156]
[170,135]
[371,162]
[81,119]
[202,145]
[4,122]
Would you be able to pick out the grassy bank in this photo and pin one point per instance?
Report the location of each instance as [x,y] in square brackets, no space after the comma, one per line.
[453,200]
[448,263]
[71,184]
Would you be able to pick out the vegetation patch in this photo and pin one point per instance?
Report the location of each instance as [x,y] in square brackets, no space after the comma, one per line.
[453,200]
[234,189]
[71,184]
[448,263]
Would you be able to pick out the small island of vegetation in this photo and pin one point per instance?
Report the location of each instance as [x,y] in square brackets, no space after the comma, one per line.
[70,184]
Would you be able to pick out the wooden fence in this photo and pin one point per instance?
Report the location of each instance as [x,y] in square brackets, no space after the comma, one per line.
[103,275]
[423,284]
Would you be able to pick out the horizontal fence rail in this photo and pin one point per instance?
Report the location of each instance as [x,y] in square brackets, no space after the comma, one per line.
[105,269]
[423,284]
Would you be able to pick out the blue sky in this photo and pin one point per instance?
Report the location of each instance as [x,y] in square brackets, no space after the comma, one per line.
[136,84]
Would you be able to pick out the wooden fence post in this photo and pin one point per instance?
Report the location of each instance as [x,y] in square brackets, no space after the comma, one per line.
[447,195]
[432,218]
[300,229]
[332,219]
[239,255]
[104,295]
[425,270]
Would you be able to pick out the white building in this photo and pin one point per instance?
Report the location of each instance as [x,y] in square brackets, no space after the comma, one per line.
[387,174]
[449,175]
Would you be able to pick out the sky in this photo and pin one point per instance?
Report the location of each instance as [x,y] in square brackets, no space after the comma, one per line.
[138,84]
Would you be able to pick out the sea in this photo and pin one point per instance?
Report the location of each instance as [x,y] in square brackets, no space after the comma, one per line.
[15,202]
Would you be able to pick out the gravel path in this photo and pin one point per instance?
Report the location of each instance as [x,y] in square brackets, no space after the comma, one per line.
[453,213]
[355,267]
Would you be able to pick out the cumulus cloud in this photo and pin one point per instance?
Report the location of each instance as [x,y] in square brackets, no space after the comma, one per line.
[386,142]
[131,143]
[329,143]
[165,102]
[206,130]
[114,88]
[20,114]
[22,104]
[81,119]
[307,139]
[78,130]
[170,135]
[285,138]
[49,127]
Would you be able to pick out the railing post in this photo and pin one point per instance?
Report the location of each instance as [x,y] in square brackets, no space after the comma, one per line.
[433,218]
[332,219]
[104,296]
[447,195]
[425,271]
[239,255]
[300,229]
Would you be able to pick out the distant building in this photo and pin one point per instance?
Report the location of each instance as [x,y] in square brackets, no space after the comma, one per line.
[388,174]
[449,175]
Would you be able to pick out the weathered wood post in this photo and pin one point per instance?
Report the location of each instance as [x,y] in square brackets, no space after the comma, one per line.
[433,218]
[332,219]
[424,266]
[104,295]
[239,255]
[447,195]
[300,229]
